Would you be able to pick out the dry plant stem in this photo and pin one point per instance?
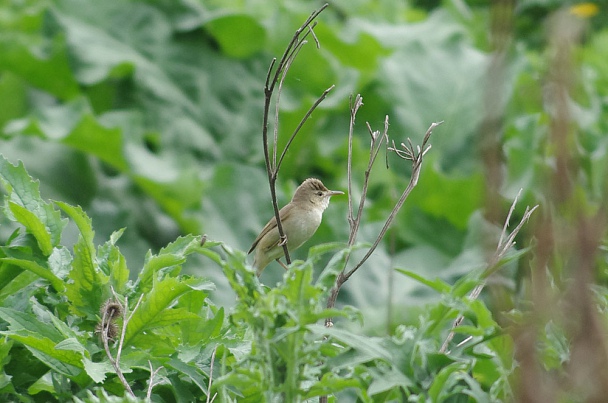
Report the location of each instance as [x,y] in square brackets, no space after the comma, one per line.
[494,262]
[151,384]
[104,337]
[211,377]
[415,155]
[276,76]
[354,108]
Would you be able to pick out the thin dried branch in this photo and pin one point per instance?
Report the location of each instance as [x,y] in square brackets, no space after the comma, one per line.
[275,76]
[211,377]
[106,323]
[415,156]
[505,243]
[151,383]
[376,142]
[409,153]
[354,107]
[302,121]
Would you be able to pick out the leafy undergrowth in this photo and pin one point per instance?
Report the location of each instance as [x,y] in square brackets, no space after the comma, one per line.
[271,346]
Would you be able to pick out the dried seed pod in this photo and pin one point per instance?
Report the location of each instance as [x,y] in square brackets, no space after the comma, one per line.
[111,330]
[111,309]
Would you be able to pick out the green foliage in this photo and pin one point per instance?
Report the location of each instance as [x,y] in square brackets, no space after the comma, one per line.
[142,119]
[54,311]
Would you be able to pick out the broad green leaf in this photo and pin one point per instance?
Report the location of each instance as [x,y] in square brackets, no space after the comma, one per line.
[238,35]
[86,289]
[42,384]
[112,263]
[192,372]
[367,346]
[23,192]
[15,279]
[97,370]
[159,298]
[171,317]
[34,226]
[22,321]
[66,362]
[40,271]
[438,285]
[331,383]
[25,55]
[170,257]
[389,379]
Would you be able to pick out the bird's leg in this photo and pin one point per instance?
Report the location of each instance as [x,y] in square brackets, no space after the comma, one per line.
[283,240]
[282,264]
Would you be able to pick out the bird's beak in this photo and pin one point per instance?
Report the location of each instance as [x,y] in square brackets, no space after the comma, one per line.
[334,193]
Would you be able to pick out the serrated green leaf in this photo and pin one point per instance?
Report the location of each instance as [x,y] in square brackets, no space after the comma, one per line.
[388,380]
[171,317]
[71,344]
[33,225]
[191,371]
[63,361]
[23,191]
[85,291]
[112,263]
[43,272]
[19,321]
[60,262]
[97,370]
[171,256]
[16,280]
[159,298]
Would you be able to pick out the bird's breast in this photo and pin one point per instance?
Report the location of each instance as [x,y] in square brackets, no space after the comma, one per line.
[303,227]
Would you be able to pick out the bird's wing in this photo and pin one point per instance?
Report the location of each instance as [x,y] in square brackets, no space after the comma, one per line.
[270,225]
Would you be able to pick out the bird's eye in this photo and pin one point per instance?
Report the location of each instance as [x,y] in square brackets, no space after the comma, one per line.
[319,193]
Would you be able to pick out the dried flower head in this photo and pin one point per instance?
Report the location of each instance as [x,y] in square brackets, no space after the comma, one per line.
[111,309]
[111,330]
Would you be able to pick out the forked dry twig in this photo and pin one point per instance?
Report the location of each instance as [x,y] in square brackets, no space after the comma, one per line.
[505,243]
[151,383]
[106,323]
[407,152]
[274,81]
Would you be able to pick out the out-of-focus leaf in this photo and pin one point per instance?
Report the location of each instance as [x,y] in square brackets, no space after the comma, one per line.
[239,35]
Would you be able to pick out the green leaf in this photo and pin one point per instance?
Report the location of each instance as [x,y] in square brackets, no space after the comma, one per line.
[159,298]
[97,370]
[65,362]
[191,371]
[112,263]
[367,346]
[39,217]
[238,35]
[37,269]
[86,288]
[34,226]
[438,285]
[22,321]
[170,257]
[42,384]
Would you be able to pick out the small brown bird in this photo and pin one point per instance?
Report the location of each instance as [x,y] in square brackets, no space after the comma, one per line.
[300,219]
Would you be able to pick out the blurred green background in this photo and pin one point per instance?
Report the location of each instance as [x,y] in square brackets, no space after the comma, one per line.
[148,114]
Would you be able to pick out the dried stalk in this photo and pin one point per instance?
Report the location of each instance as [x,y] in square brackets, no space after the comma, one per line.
[408,153]
[105,323]
[211,377]
[152,384]
[274,77]
[505,243]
